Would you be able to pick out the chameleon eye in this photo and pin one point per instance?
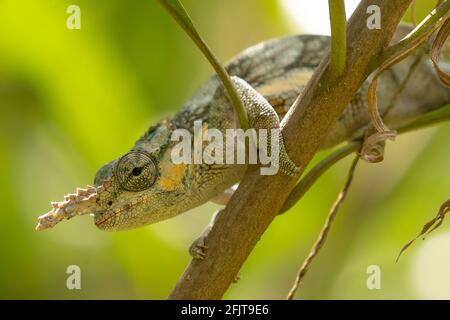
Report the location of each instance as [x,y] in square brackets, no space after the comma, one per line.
[136,171]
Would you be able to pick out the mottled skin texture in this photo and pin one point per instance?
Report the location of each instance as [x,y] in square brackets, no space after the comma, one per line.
[272,73]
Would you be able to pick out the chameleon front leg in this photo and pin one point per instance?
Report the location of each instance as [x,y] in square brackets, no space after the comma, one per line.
[198,248]
[262,115]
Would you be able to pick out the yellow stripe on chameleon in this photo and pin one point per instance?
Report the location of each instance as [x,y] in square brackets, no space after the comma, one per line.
[171,176]
[291,81]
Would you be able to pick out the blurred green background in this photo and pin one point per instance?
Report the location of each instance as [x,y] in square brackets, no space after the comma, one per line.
[71,100]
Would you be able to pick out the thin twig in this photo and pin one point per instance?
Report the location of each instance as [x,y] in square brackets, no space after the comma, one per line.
[436,50]
[392,56]
[416,37]
[325,230]
[429,227]
[400,51]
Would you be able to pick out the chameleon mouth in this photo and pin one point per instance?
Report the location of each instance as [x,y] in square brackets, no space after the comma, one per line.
[101,219]
[113,218]
[105,220]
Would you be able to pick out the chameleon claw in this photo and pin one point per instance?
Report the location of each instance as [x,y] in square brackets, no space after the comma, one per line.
[287,166]
[198,249]
[237,278]
[292,170]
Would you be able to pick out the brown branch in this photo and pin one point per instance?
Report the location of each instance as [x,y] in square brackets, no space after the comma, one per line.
[325,230]
[259,198]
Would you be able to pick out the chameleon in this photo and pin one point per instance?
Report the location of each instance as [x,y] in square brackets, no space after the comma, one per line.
[144,186]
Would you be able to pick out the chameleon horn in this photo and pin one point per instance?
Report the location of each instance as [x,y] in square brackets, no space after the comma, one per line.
[76,204]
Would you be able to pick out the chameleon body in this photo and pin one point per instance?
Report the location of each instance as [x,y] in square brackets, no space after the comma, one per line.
[145,186]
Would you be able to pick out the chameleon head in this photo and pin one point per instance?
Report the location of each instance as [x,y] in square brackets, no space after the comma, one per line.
[143,190]
[130,180]
[142,187]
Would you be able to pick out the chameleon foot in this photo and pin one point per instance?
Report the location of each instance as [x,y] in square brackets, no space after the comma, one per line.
[198,248]
[262,115]
[288,167]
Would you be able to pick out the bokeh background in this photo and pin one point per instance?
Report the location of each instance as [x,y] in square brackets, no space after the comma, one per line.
[71,100]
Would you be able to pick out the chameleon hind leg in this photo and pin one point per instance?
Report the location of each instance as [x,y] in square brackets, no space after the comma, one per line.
[262,115]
